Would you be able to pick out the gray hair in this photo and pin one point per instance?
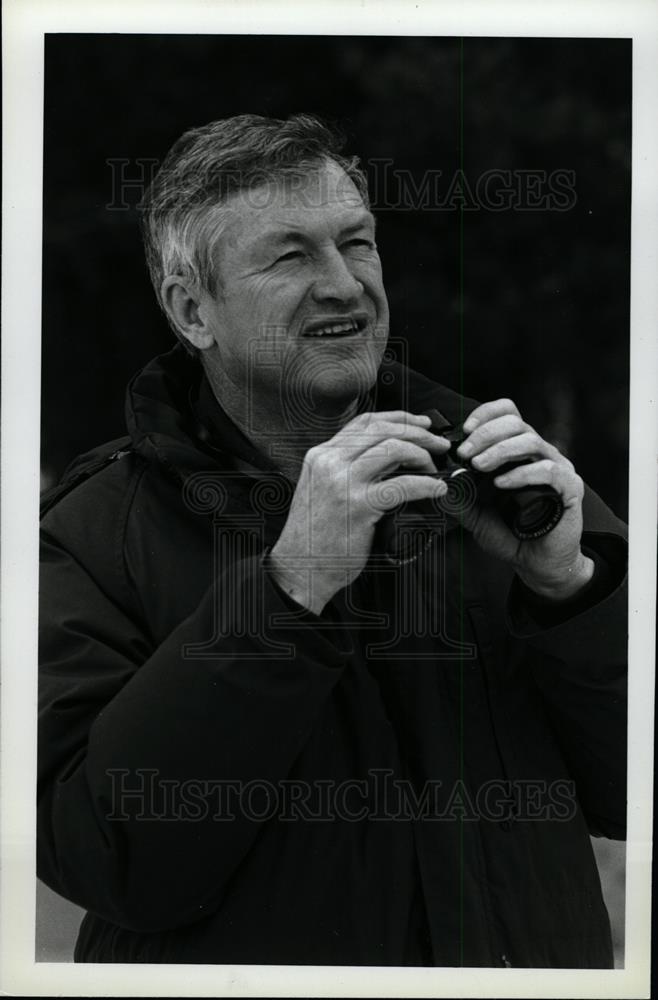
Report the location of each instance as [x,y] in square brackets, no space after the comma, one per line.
[209,164]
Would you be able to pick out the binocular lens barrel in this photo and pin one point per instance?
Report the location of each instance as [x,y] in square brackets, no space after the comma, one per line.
[533,511]
[529,512]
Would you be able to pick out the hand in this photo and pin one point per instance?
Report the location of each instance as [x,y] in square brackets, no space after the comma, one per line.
[553,565]
[340,496]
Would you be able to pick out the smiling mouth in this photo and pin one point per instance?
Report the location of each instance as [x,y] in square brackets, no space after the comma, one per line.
[336,327]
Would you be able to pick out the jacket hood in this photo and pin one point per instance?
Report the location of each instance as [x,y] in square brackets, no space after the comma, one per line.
[158,411]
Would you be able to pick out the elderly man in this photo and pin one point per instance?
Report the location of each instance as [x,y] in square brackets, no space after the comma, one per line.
[266,736]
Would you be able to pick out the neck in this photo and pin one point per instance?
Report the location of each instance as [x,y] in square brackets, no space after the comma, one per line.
[266,424]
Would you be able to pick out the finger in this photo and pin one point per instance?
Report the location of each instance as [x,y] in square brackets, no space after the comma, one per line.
[387,495]
[489,411]
[560,475]
[487,434]
[359,440]
[390,416]
[388,455]
[514,449]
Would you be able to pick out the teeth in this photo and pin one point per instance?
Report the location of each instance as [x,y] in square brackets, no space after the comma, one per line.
[333,329]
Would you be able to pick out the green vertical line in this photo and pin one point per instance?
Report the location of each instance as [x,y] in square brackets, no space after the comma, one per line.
[461,532]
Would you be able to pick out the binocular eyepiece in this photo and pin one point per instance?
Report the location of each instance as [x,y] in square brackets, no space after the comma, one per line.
[529,512]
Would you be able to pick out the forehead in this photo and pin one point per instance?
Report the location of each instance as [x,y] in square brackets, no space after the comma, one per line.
[311,202]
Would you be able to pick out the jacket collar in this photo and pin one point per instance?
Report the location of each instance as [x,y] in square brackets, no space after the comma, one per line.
[173,417]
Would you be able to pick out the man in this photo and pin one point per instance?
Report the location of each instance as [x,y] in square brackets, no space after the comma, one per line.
[265,739]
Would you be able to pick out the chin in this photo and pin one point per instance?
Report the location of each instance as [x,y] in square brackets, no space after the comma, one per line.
[339,370]
[333,379]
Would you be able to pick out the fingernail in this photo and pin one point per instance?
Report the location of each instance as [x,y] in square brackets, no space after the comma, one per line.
[470,424]
[465,449]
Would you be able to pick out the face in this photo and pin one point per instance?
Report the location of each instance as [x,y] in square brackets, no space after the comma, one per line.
[301,316]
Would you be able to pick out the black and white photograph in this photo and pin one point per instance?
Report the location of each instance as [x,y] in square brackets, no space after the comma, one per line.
[329,664]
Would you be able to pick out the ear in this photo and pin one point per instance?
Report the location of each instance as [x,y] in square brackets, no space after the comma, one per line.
[182,305]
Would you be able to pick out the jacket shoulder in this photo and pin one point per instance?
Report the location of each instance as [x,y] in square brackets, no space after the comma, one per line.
[82,469]
[85,516]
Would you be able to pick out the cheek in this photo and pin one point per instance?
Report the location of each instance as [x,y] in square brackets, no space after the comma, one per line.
[262,310]
[369,272]
[271,295]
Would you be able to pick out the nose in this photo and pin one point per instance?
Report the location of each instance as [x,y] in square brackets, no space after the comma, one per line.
[335,281]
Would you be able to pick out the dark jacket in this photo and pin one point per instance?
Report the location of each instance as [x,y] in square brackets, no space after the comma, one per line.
[410,778]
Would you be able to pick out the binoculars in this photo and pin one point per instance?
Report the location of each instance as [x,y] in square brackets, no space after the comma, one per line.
[529,512]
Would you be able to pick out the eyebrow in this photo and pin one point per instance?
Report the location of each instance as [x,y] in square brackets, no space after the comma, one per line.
[364,220]
[278,237]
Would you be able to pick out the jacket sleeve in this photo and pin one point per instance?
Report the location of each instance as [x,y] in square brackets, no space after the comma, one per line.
[140,749]
[579,663]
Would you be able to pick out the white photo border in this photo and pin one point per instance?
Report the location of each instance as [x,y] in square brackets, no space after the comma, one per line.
[25,23]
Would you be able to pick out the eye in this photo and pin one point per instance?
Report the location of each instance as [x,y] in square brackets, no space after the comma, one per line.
[290,255]
[359,242]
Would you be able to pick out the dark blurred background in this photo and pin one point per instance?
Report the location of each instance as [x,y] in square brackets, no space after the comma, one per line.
[531,303]
[545,292]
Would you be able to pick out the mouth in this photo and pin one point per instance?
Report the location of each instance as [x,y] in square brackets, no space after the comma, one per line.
[336,327]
